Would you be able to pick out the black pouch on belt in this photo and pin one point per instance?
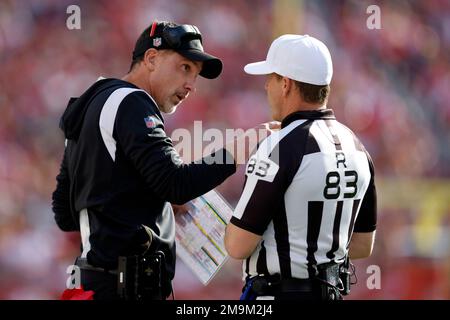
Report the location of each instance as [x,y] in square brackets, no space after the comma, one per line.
[140,277]
[329,273]
[344,275]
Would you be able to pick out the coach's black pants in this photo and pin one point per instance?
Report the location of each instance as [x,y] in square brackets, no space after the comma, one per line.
[103,284]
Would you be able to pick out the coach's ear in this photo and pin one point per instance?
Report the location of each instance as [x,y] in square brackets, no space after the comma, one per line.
[150,57]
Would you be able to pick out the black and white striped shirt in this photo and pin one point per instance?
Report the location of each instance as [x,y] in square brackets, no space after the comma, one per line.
[308,187]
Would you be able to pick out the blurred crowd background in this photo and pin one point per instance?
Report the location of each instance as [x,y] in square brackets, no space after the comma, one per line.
[391,86]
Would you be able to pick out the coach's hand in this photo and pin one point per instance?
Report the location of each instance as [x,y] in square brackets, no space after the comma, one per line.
[244,145]
[266,129]
[177,209]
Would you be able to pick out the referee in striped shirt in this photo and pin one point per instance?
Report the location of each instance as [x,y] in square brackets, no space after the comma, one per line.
[309,200]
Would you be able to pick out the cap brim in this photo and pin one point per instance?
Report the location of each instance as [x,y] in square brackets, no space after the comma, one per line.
[212,66]
[261,67]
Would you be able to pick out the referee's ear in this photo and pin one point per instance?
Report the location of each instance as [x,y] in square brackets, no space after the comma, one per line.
[150,59]
[287,86]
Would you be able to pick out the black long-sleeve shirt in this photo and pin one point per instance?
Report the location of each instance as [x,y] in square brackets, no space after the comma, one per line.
[120,165]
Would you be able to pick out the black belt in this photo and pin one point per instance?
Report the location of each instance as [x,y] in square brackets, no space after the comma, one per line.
[328,276]
[270,285]
[297,285]
[83,264]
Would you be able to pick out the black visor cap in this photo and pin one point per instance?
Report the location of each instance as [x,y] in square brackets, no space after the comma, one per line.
[212,66]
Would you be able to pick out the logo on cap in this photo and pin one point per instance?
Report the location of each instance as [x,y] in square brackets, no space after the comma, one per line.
[157,42]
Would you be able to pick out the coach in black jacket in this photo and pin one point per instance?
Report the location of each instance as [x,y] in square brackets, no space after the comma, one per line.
[120,171]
